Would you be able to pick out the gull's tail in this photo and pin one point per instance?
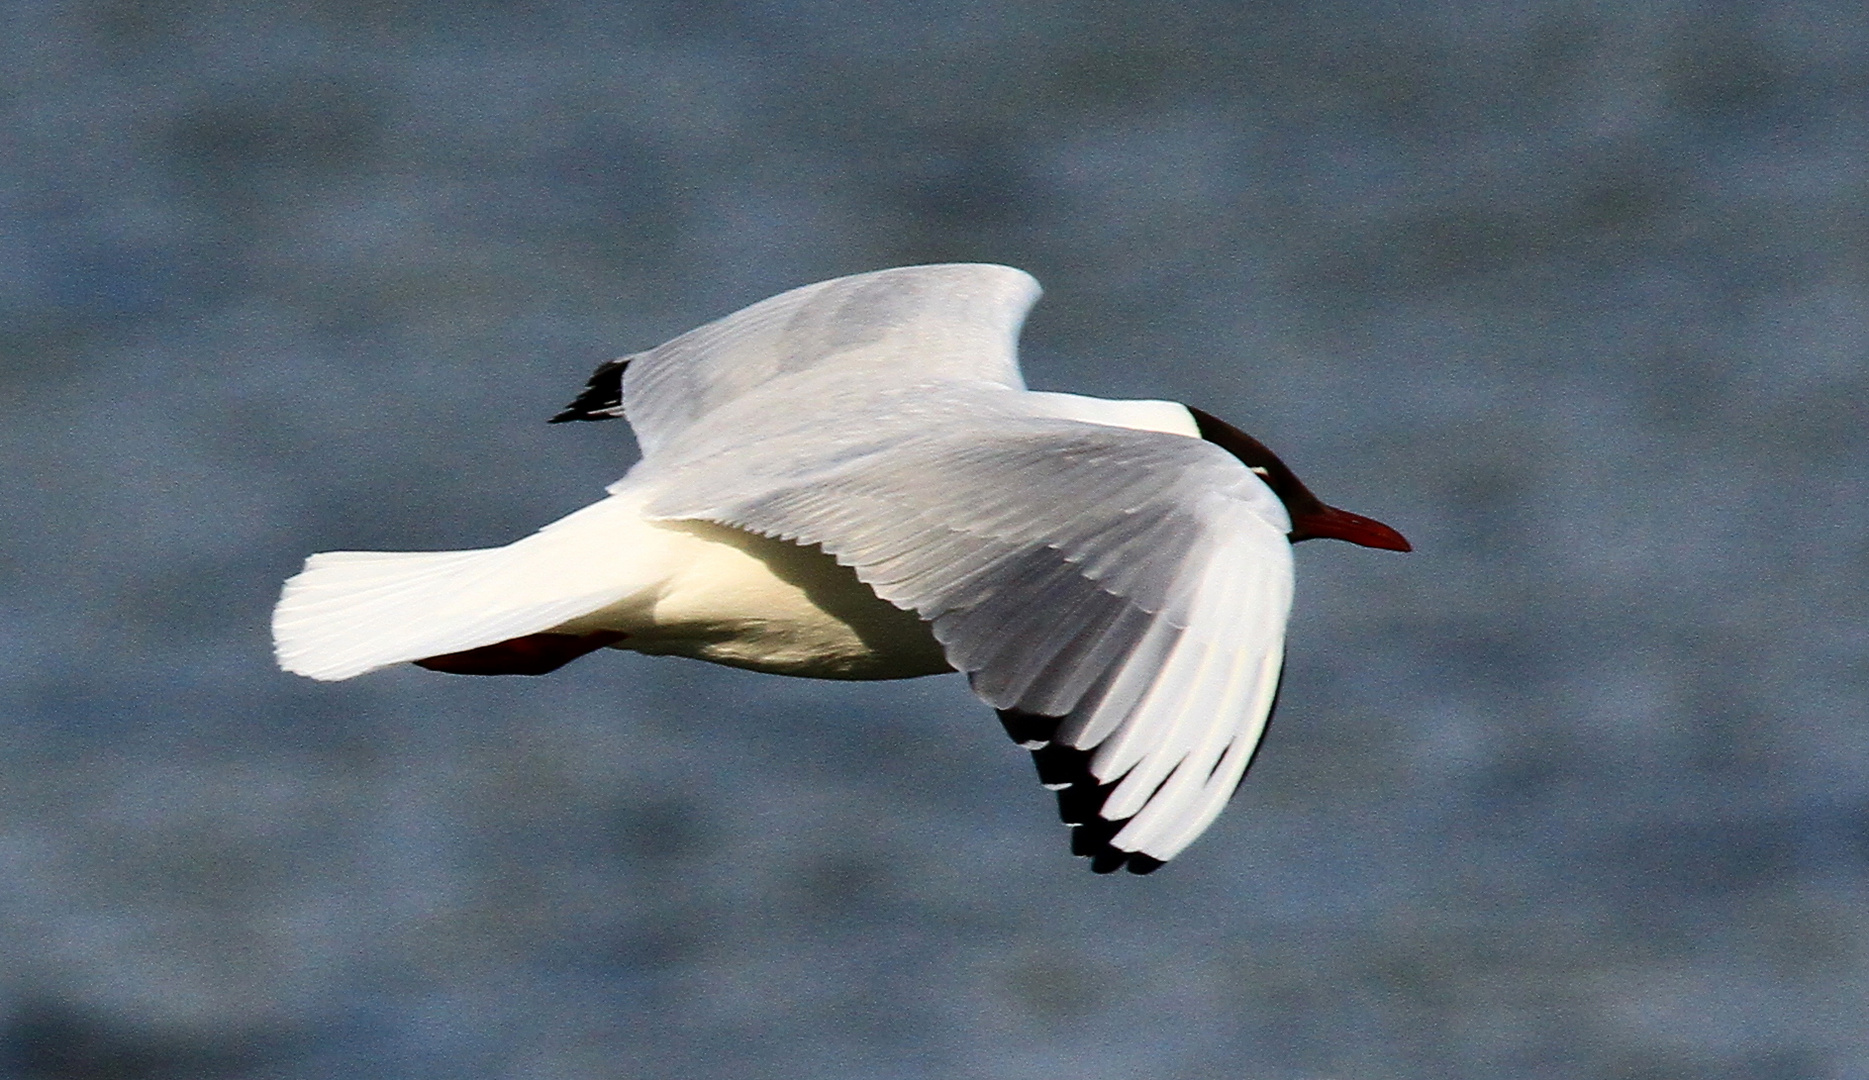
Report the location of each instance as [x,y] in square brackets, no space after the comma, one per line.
[349,612]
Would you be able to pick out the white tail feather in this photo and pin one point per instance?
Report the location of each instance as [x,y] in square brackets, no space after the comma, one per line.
[349,612]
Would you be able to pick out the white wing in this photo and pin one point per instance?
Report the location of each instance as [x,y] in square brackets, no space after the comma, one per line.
[954,321]
[1120,596]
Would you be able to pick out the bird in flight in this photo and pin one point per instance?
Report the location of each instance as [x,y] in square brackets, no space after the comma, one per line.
[850,481]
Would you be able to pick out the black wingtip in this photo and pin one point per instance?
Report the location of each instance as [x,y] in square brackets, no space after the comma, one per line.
[1066,770]
[601,398]
[1111,859]
[1140,864]
[1029,730]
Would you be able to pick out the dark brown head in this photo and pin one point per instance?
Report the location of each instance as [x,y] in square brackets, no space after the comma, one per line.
[1310,518]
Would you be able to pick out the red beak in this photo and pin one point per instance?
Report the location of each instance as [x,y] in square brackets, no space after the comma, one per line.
[1330,523]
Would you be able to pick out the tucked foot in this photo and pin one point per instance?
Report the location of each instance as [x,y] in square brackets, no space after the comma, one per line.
[534,654]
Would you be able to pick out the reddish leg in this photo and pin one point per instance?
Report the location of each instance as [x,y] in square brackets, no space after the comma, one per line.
[534,654]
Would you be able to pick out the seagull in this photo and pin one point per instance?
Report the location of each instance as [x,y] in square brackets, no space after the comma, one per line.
[850,480]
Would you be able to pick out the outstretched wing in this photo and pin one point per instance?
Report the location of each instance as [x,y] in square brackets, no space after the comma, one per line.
[953,321]
[1120,596]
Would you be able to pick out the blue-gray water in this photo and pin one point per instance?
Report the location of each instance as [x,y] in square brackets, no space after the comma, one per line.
[1576,295]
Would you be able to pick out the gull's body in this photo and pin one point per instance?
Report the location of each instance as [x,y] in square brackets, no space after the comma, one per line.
[850,481]
[678,588]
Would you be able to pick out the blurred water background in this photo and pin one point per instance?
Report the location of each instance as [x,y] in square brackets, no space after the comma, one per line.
[1575,294]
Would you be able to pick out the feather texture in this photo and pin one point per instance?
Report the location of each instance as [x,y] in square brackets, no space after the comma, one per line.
[1114,586]
[1131,585]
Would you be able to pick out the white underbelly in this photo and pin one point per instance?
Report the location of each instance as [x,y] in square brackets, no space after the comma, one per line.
[735,598]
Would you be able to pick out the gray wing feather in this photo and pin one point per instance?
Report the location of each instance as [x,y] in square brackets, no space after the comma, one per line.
[952,321]
[1134,584]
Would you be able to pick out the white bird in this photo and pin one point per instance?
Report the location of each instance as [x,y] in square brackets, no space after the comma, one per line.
[851,481]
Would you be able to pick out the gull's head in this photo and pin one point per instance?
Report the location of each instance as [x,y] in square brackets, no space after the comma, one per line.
[1311,518]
